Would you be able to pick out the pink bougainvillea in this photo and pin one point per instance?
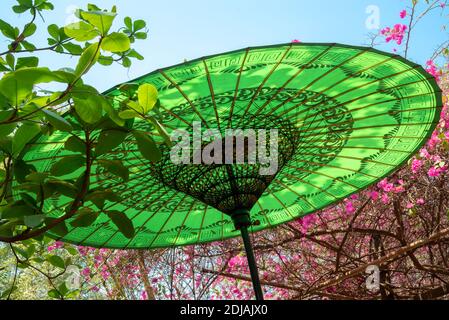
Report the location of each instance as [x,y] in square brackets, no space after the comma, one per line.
[394,34]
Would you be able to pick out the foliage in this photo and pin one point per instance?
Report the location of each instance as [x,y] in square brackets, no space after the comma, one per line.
[400,225]
[28,109]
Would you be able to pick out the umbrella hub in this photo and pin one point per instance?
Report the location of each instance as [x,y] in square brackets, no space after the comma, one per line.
[233,170]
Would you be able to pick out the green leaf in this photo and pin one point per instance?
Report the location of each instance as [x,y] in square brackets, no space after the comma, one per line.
[53,293]
[20,9]
[139,25]
[29,30]
[81,31]
[99,197]
[7,228]
[116,42]
[34,221]
[128,23]
[63,187]
[141,35]
[109,140]
[73,48]
[56,261]
[57,121]
[85,218]
[75,144]
[134,54]
[27,62]
[28,46]
[128,114]
[88,59]
[99,19]
[164,134]
[115,167]
[10,60]
[8,30]
[26,3]
[18,85]
[122,222]
[147,146]
[53,30]
[6,129]
[23,135]
[126,62]
[67,165]
[17,211]
[105,60]
[136,107]
[88,110]
[60,229]
[148,96]
[22,252]
[22,169]
[38,177]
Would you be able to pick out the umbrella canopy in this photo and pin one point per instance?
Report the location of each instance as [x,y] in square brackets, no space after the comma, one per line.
[346,117]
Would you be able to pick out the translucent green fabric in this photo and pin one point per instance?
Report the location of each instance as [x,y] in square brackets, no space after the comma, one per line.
[359,114]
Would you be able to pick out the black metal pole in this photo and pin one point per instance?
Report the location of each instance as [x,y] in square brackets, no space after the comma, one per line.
[252,263]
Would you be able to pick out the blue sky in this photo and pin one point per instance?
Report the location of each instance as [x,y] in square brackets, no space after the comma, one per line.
[190,29]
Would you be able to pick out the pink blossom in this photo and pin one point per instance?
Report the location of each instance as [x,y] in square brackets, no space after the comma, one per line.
[85,272]
[385,198]
[296,41]
[424,153]
[420,201]
[394,34]
[56,245]
[416,165]
[374,195]
[403,14]
[350,207]
[432,69]
[436,171]
[385,186]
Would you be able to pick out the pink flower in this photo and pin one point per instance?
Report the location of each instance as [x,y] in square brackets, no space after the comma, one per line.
[143,295]
[416,165]
[403,14]
[296,41]
[374,195]
[432,69]
[85,272]
[56,245]
[420,201]
[385,185]
[396,33]
[385,198]
[436,171]
[424,154]
[350,207]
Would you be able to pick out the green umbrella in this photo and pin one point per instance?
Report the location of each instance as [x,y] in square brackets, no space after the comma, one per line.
[346,117]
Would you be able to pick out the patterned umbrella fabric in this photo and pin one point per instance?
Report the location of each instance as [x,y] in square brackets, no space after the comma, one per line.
[346,117]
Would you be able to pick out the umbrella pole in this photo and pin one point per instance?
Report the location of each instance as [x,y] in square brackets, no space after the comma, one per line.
[241,222]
